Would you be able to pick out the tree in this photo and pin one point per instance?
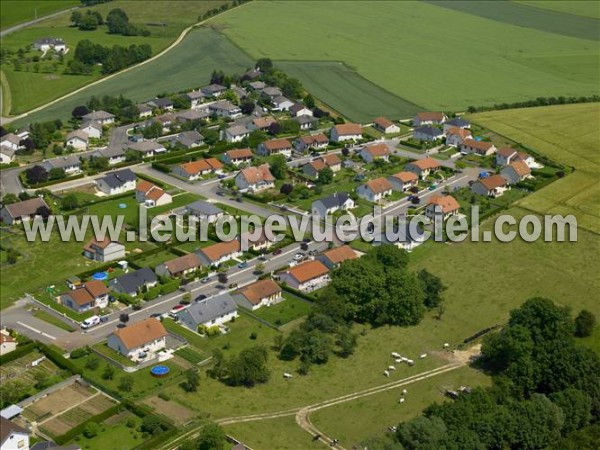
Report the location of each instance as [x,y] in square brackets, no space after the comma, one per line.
[259,268]
[576,406]
[584,323]
[192,380]
[264,64]
[286,188]
[56,173]
[36,174]
[433,288]
[422,432]
[126,383]
[9,198]
[248,368]
[325,175]
[69,202]
[76,17]
[117,21]
[109,372]
[247,106]
[91,430]
[152,131]
[79,111]
[28,144]
[275,128]
[222,278]
[279,167]
[124,318]
[152,425]
[212,437]
[309,101]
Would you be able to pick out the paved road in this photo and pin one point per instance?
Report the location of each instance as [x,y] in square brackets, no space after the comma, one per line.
[14,28]
[21,319]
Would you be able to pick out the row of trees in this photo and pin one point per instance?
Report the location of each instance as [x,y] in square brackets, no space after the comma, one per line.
[88,21]
[116,21]
[545,392]
[539,101]
[112,59]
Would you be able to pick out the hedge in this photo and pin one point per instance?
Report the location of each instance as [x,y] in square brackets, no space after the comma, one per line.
[48,183]
[18,352]
[75,431]
[59,360]
[298,293]
[161,167]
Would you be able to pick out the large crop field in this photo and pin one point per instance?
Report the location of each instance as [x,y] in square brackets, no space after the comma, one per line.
[29,89]
[570,135]
[427,54]
[187,66]
[15,12]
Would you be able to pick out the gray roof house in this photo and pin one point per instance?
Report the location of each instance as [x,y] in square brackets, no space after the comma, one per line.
[131,283]
[271,92]
[115,154]
[161,103]
[213,311]
[187,139]
[17,212]
[214,90]
[147,148]
[70,164]
[457,122]
[188,115]
[117,182]
[427,133]
[335,202]
[204,211]
[102,117]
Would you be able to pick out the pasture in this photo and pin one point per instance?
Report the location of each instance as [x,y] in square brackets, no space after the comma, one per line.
[187,66]
[19,11]
[115,429]
[568,134]
[164,19]
[405,48]
[576,7]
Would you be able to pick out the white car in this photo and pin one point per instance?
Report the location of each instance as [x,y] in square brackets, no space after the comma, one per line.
[298,256]
[90,322]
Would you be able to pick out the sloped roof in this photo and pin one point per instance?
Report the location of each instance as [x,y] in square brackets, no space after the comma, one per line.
[308,270]
[506,152]
[185,262]
[447,203]
[119,178]
[481,145]
[208,309]
[426,163]
[346,129]
[258,290]
[255,175]
[378,150]
[319,138]
[379,185]
[340,254]
[217,251]
[140,333]
[462,132]
[493,182]
[334,200]
[204,208]
[430,115]
[520,167]
[239,153]
[7,428]
[277,144]
[383,122]
[26,207]
[405,177]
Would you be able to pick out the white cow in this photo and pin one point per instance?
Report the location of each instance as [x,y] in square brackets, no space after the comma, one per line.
[386,373]
[395,355]
[391,368]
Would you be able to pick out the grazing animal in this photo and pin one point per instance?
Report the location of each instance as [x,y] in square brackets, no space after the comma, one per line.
[391,368]
[386,373]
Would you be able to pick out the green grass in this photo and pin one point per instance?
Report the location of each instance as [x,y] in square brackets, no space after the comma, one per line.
[103,348]
[191,355]
[47,317]
[280,434]
[155,259]
[187,66]
[575,7]
[290,309]
[417,67]
[15,12]
[114,431]
[559,133]
[344,90]
[29,90]
[350,423]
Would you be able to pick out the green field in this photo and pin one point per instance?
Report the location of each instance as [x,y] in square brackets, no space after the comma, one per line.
[280,434]
[349,423]
[576,7]
[290,309]
[187,66]
[29,89]
[15,12]
[114,430]
[429,55]
[570,135]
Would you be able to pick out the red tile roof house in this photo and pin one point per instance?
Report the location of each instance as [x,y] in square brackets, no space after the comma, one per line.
[375,190]
[194,170]
[307,276]
[261,123]
[516,171]
[151,195]
[255,179]
[480,148]
[179,267]
[315,141]
[346,132]
[403,180]
[137,340]
[445,206]
[238,156]
[334,257]
[104,250]
[492,186]
[455,136]
[376,151]
[505,156]
[258,294]
[423,167]
[275,147]
[429,118]
[218,253]
[385,126]
[313,168]
[93,294]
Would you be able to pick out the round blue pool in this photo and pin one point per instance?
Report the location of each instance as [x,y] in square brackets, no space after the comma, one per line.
[100,276]
[160,371]
[122,205]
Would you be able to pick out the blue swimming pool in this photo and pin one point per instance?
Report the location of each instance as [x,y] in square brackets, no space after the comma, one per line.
[160,371]
[100,276]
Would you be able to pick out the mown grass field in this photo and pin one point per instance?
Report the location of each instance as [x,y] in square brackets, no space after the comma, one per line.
[280,434]
[29,89]
[15,12]
[187,66]
[423,53]
[570,135]
[575,7]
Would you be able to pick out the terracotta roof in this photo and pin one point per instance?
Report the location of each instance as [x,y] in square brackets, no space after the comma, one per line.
[277,144]
[94,243]
[317,164]
[217,251]
[155,193]
[331,160]
[263,122]
[346,129]
[378,150]
[383,122]
[426,163]
[308,271]
[201,165]
[88,292]
[406,177]
[493,182]
[4,338]
[255,292]
[379,185]
[462,132]
[430,115]
[314,139]
[144,186]
[520,167]
[447,203]
[523,156]
[255,175]
[96,288]
[239,153]
[506,152]
[481,145]
[140,333]
[340,254]
[185,262]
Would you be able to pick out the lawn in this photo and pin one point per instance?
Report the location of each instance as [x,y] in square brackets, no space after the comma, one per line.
[155,259]
[286,311]
[417,67]
[51,319]
[349,423]
[114,430]
[30,89]
[575,7]
[15,12]
[280,434]
[187,66]
[559,133]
